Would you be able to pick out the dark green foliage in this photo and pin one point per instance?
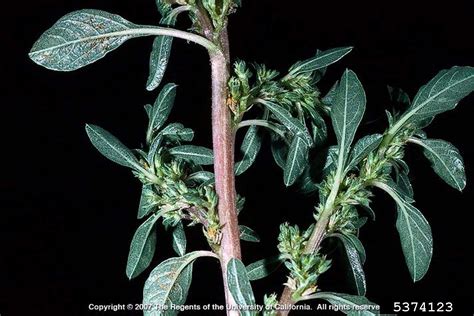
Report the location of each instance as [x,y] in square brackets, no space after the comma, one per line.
[179,191]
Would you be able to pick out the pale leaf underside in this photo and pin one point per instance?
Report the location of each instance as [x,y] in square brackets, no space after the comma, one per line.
[441,94]
[446,161]
[80,38]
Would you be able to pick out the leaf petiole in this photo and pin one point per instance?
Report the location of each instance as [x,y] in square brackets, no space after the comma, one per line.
[263,123]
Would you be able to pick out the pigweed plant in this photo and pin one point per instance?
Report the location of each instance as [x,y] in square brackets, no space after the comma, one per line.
[180,190]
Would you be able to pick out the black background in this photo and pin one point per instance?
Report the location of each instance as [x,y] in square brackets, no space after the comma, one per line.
[68,214]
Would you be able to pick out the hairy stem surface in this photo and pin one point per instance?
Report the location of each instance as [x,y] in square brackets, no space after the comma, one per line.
[223,146]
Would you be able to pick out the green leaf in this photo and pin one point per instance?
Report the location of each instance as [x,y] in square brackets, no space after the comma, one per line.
[320,134]
[250,147]
[321,60]
[262,268]
[142,248]
[441,94]
[415,234]
[400,165]
[362,149]
[421,134]
[347,111]
[147,203]
[296,161]
[416,239]
[358,246]
[81,38]
[317,75]
[328,99]
[201,177]
[359,223]
[389,117]
[240,204]
[239,286]
[248,234]
[179,239]
[355,264]
[319,127]
[148,109]
[279,152]
[293,124]
[164,7]
[169,283]
[161,109]
[154,146]
[306,183]
[109,146]
[445,160]
[397,95]
[404,184]
[353,305]
[366,207]
[141,154]
[177,132]
[197,154]
[160,55]
[331,160]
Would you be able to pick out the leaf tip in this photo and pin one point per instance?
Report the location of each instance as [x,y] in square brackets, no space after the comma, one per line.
[461,188]
[31,55]
[172,85]
[150,87]
[89,128]
[416,278]
[129,274]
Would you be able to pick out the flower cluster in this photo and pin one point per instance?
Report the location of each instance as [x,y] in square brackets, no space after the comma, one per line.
[305,268]
[297,93]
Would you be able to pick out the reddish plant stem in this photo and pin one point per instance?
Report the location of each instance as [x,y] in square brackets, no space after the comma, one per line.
[205,22]
[285,301]
[223,146]
[223,138]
